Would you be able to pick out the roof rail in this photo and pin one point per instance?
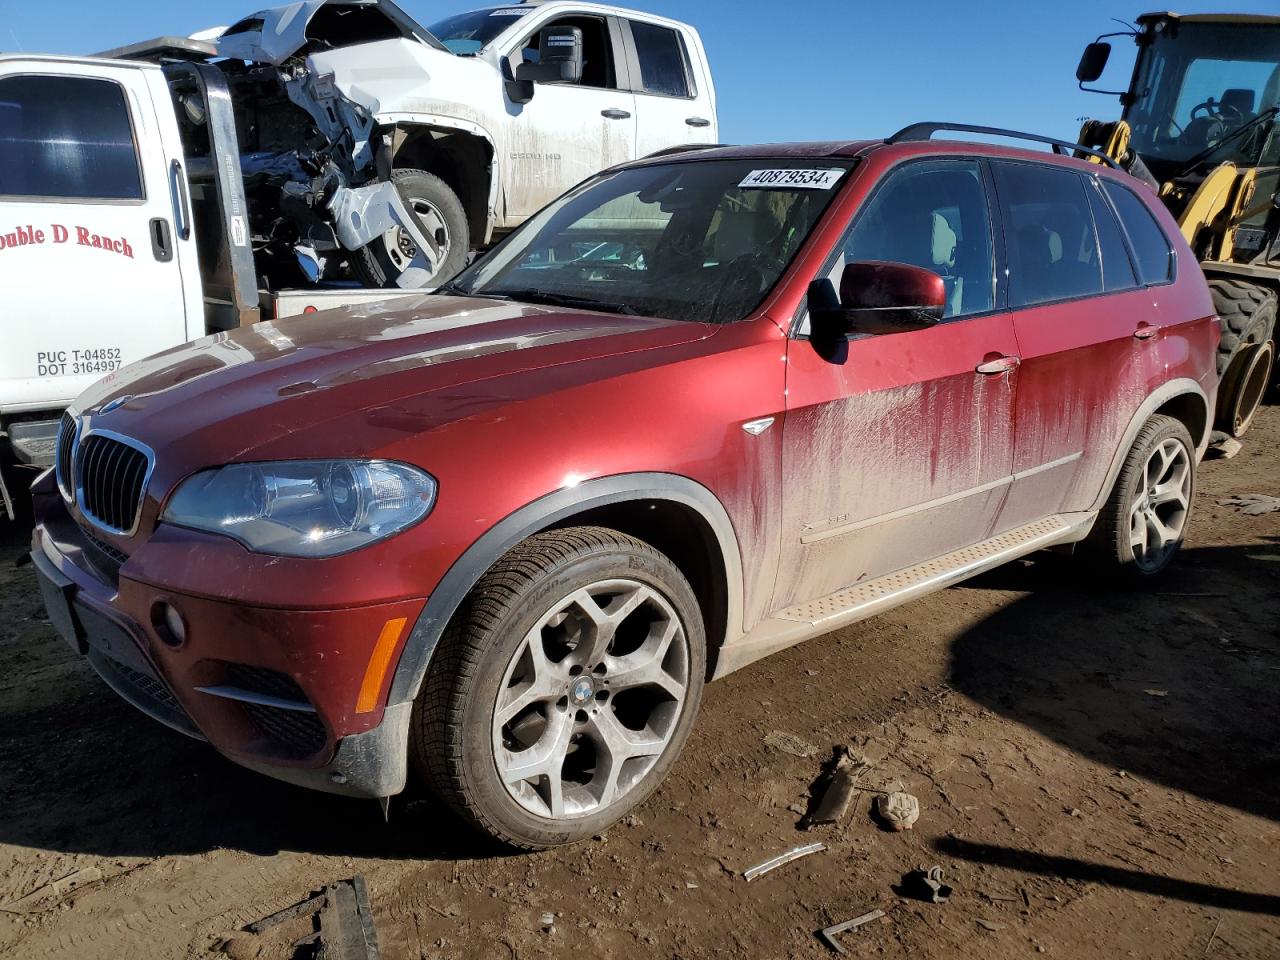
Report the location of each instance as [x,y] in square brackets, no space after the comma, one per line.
[682,148]
[925,131]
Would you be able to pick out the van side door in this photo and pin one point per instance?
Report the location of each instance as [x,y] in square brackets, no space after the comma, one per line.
[91,260]
[675,101]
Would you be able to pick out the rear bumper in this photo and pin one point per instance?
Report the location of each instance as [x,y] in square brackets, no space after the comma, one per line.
[273,690]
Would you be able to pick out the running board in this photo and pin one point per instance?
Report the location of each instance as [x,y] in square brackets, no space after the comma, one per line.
[861,601]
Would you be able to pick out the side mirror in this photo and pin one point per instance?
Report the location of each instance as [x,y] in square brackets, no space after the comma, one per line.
[560,58]
[519,91]
[1093,61]
[877,297]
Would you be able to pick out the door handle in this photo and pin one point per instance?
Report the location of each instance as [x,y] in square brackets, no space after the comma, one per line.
[613,113]
[998,365]
[1145,331]
[161,242]
[698,122]
[181,211]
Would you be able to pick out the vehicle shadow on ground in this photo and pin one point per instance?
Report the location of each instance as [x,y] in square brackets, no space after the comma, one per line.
[83,772]
[1176,684]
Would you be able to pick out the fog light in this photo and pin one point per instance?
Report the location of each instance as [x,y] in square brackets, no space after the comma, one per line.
[168,624]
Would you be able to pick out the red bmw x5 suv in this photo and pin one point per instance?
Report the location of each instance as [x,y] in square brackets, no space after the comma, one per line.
[702,407]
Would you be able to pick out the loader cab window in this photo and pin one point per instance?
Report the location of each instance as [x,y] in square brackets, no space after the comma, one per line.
[597,50]
[67,138]
[1197,86]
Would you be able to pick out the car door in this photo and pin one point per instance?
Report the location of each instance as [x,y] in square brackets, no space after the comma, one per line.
[1085,329]
[896,448]
[674,105]
[569,131]
[89,264]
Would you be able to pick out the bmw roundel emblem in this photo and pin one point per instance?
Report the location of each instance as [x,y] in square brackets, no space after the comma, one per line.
[115,404]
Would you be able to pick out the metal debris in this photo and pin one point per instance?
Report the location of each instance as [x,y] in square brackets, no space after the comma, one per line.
[760,869]
[841,785]
[343,919]
[789,743]
[926,884]
[1253,504]
[898,810]
[828,934]
[1156,693]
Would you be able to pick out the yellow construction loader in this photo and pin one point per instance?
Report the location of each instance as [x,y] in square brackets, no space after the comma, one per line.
[1199,124]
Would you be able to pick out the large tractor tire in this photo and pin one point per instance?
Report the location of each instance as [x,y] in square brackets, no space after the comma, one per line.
[1247,352]
[393,260]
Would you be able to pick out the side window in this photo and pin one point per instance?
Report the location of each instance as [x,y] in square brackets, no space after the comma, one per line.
[1053,248]
[66,138]
[662,60]
[1117,268]
[597,50]
[1150,246]
[933,215]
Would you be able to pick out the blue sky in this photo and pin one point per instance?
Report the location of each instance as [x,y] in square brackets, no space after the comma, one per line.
[785,71]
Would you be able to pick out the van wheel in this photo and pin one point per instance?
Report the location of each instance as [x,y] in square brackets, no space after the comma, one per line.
[394,260]
[564,688]
[1246,353]
[1142,527]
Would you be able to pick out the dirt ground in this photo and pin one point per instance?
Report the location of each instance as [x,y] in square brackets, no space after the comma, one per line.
[1099,774]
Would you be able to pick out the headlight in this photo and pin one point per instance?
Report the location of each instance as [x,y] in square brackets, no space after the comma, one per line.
[305,508]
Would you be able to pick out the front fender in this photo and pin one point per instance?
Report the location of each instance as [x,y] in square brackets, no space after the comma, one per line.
[539,515]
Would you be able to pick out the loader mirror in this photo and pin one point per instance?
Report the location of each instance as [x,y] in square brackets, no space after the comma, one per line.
[1093,61]
[560,57]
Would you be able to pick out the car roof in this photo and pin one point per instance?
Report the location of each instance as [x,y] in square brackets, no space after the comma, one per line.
[842,149]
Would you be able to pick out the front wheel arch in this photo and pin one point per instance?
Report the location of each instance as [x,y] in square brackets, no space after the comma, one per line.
[560,508]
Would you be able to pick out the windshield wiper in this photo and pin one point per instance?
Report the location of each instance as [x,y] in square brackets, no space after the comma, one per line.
[564,300]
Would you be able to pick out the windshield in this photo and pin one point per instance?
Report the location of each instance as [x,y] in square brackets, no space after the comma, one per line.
[702,241]
[469,33]
[1201,82]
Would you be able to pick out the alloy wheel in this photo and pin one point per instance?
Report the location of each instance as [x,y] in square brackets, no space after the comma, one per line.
[1161,504]
[403,250]
[591,699]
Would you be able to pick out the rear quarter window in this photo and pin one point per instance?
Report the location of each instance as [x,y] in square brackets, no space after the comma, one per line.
[1151,247]
[66,138]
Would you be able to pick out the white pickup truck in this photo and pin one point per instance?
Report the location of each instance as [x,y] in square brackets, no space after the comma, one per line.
[183,186]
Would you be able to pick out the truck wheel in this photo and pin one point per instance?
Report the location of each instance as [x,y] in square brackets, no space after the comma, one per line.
[394,256]
[1246,353]
[1143,524]
[564,688]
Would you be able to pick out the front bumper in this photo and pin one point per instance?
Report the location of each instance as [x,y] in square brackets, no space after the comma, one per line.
[275,690]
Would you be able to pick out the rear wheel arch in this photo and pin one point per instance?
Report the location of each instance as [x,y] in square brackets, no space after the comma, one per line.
[1183,399]
[622,502]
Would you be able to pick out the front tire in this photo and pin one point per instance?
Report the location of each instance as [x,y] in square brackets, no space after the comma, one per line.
[564,688]
[1142,526]
[394,260]
[1246,353]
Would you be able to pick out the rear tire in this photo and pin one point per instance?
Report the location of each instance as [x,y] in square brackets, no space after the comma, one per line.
[1142,526]
[563,690]
[439,213]
[1246,354]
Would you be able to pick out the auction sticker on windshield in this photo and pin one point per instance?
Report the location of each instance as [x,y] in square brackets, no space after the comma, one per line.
[791,179]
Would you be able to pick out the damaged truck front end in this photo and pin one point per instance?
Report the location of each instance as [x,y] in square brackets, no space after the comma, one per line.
[324,198]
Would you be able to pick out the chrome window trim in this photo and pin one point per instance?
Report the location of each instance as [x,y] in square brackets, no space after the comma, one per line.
[65,486]
[142,491]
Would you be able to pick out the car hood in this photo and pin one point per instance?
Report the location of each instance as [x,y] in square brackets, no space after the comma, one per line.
[225,396]
[276,34]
